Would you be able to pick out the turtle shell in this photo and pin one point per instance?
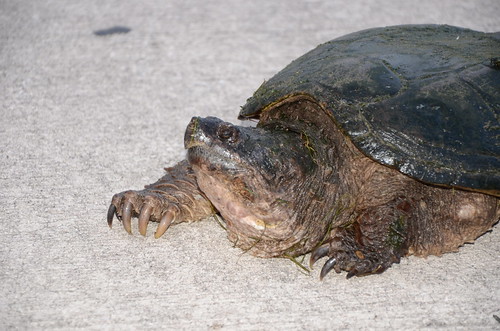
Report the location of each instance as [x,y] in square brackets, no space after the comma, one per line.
[424,99]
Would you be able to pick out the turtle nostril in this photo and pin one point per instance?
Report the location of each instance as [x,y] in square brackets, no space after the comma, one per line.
[227,132]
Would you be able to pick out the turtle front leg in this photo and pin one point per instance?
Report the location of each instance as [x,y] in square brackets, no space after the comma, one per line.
[371,244]
[174,198]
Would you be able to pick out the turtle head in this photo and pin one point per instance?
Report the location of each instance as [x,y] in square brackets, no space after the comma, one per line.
[251,175]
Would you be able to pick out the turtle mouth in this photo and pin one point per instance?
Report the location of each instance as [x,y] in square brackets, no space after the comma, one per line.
[246,210]
[212,160]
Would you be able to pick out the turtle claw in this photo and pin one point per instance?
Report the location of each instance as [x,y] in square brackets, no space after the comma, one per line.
[318,253]
[334,261]
[369,268]
[352,273]
[327,267]
[144,218]
[111,214]
[165,222]
[127,216]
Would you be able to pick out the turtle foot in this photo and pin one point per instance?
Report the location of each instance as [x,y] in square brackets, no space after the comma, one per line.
[147,206]
[174,198]
[345,254]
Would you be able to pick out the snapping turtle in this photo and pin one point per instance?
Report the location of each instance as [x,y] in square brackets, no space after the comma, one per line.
[373,146]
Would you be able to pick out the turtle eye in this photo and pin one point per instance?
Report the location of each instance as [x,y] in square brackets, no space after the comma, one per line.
[227,132]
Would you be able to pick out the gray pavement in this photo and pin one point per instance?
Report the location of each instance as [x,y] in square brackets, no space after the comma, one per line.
[86,116]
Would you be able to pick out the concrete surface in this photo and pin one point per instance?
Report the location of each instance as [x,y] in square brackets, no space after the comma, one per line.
[84,117]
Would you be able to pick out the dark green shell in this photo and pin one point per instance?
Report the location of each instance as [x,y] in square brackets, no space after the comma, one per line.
[424,99]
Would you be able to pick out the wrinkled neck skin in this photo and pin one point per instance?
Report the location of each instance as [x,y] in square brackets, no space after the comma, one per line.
[269,183]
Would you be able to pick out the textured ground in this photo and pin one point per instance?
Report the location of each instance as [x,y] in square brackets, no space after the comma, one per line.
[83,117]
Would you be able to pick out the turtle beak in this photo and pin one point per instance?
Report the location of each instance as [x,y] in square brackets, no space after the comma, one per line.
[190,136]
[201,131]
